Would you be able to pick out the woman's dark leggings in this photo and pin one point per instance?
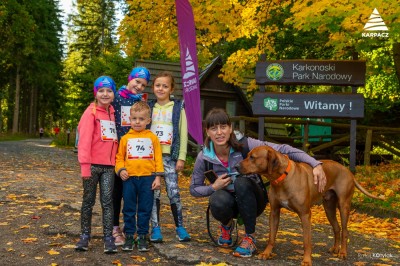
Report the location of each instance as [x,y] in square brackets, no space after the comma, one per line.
[249,200]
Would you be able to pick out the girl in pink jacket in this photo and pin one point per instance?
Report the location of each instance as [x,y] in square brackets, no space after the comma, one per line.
[97,148]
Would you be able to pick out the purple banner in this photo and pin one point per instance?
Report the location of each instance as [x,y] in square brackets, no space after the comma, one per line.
[189,69]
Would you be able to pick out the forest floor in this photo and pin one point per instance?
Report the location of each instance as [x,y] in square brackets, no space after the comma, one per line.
[40,199]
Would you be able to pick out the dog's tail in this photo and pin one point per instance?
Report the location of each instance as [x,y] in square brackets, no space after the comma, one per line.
[363,190]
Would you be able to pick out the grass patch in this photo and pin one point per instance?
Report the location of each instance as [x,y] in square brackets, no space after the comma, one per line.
[14,137]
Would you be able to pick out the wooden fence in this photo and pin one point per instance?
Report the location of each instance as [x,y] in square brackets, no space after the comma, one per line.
[367,136]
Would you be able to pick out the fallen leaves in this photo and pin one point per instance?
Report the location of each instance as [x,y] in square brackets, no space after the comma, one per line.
[29,240]
[139,258]
[53,252]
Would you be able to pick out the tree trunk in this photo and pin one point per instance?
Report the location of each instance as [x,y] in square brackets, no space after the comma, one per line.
[1,117]
[16,107]
[396,58]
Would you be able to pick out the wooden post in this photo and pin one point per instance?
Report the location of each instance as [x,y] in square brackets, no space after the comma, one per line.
[261,120]
[353,140]
[368,146]
[242,126]
[305,137]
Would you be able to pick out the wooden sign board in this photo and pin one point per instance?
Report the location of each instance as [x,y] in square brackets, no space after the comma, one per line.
[311,72]
[309,105]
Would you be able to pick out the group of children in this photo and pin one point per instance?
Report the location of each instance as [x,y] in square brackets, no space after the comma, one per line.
[126,146]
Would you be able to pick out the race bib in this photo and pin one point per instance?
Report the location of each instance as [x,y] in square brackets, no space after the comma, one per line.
[108,131]
[140,148]
[125,115]
[163,132]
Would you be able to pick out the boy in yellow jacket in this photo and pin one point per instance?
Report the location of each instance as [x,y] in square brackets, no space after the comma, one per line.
[140,166]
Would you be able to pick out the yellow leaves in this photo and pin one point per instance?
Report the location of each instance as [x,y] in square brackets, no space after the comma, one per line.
[53,252]
[180,246]
[224,250]
[296,242]
[210,264]
[138,258]
[29,240]
[156,260]
[287,233]
[117,262]
[68,246]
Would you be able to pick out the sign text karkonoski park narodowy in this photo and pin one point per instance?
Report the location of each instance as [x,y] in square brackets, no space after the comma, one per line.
[310,72]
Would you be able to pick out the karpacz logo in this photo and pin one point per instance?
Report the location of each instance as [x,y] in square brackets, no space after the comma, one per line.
[375,34]
[375,26]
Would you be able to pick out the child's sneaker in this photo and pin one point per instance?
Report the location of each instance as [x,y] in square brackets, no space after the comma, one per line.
[109,245]
[246,248]
[129,243]
[225,239]
[156,235]
[182,235]
[143,244]
[118,236]
[83,243]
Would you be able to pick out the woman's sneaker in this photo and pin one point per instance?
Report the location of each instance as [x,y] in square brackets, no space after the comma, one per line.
[143,244]
[182,234]
[129,243]
[156,235]
[109,245]
[225,239]
[118,236]
[246,248]
[83,243]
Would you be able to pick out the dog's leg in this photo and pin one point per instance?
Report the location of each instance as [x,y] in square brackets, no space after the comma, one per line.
[274,218]
[306,224]
[344,209]
[330,202]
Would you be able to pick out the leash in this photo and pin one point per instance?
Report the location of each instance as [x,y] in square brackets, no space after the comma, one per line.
[234,227]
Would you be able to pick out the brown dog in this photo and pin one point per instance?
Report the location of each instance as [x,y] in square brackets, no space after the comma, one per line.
[292,187]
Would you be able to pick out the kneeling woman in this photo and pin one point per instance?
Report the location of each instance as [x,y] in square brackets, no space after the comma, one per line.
[246,197]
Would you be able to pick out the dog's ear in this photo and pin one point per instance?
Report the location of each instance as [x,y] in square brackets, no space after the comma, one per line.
[273,161]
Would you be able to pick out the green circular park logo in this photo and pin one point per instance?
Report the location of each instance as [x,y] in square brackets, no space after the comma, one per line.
[274,71]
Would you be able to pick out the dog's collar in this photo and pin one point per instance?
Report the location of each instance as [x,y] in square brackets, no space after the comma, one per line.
[283,176]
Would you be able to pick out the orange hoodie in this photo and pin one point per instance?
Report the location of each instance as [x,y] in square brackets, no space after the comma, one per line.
[140,154]
[98,143]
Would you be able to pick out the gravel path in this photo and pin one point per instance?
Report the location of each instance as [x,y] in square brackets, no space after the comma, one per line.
[40,198]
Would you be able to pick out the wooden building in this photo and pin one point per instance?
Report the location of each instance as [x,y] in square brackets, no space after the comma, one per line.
[214,92]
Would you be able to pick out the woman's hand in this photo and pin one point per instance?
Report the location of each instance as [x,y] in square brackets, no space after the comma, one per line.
[319,177]
[222,182]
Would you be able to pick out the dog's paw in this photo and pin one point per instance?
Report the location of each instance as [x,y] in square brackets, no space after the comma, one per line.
[334,249]
[265,255]
[342,255]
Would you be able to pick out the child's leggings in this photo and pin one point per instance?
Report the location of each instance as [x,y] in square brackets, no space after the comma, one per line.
[104,175]
[171,183]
